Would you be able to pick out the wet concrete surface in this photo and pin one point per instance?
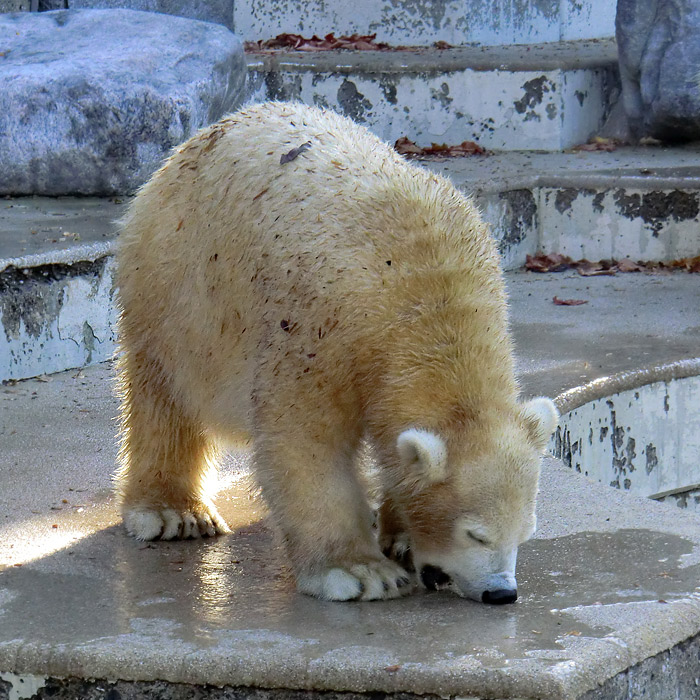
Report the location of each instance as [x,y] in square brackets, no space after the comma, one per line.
[609,580]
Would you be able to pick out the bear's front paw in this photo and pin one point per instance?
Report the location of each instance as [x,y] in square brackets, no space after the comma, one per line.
[153,522]
[377,580]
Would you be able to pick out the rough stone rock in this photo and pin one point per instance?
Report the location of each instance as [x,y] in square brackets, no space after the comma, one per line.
[218,11]
[93,100]
[659,63]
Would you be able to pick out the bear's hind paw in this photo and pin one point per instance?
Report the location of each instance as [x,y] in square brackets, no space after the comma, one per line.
[373,581]
[152,523]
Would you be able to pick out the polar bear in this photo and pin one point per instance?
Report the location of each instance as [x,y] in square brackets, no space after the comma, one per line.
[287,280]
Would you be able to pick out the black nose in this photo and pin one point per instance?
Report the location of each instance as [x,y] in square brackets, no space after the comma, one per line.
[502,596]
[433,577]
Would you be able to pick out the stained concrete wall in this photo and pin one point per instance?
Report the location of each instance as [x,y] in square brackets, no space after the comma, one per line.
[645,440]
[420,22]
[416,22]
[56,317]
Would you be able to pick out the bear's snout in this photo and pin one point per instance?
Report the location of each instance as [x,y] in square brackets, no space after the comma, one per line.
[433,577]
[502,596]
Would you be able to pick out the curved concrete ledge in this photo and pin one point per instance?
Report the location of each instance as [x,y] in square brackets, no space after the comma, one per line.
[624,381]
[637,431]
[89,252]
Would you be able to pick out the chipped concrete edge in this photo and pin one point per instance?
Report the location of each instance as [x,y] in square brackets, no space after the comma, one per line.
[599,666]
[571,55]
[68,256]
[624,381]
[678,622]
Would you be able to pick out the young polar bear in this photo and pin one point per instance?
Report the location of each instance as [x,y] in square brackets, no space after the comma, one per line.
[287,279]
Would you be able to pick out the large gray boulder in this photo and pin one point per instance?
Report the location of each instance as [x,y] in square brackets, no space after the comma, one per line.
[659,50]
[93,100]
[219,11]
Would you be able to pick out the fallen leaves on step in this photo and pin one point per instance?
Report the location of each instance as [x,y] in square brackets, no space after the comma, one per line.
[297,42]
[408,148]
[556,262]
[568,302]
[548,262]
[331,42]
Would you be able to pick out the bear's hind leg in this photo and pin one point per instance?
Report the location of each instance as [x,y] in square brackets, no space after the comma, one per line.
[306,474]
[167,461]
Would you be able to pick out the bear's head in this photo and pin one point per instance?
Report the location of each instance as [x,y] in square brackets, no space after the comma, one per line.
[467,499]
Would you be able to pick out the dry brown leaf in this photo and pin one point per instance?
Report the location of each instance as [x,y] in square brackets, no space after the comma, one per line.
[628,265]
[406,147]
[598,143]
[550,262]
[392,669]
[585,268]
[569,302]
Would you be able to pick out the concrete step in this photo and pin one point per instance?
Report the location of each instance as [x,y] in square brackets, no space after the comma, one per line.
[536,97]
[57,294]
[57,306]
[609,599]
[638,203]
[486,22]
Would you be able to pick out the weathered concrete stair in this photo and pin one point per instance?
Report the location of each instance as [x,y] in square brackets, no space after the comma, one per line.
[514,97]
[57,293]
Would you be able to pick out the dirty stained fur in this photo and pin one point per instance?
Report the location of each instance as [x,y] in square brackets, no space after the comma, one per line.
[299,306]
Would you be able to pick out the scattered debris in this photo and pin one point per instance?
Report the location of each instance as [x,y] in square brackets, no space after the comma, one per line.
[556,262]
[296,42]
[568,302]
[330,42]
[294,153]
[599,143]
[408,148]
[548,262]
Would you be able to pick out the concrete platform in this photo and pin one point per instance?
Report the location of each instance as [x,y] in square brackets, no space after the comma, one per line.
[610,604]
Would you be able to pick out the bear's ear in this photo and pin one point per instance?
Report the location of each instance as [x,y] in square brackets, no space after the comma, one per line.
[423,453]
[541,417]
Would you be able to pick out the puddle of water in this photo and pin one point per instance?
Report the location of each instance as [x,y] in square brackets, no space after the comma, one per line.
[236,596]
